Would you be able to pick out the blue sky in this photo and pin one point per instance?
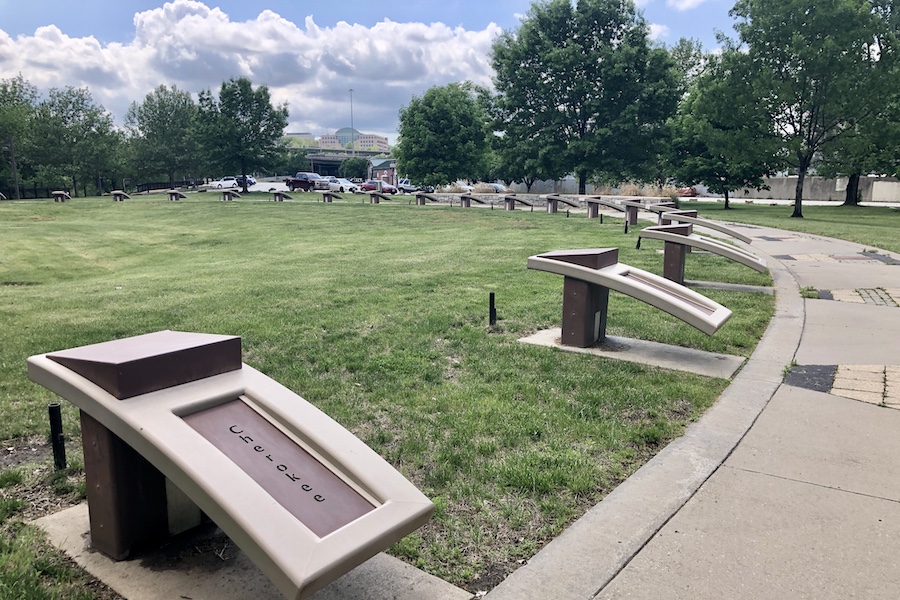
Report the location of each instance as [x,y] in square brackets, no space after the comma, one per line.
[309,54]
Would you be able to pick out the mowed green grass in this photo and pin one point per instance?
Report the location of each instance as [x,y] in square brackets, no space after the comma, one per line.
[378,315]
[872,226]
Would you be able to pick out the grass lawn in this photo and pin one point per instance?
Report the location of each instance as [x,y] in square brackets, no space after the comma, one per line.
[378,316]
[871,226]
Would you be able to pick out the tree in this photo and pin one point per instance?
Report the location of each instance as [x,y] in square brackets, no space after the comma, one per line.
[354,167]
[162,134]
[813,69]
[17,102]
[73,138]
[241,130]
[873,146]
[443,135]
[581,82]
[720,139]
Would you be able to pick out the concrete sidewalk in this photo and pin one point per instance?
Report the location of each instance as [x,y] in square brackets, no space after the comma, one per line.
[779,491]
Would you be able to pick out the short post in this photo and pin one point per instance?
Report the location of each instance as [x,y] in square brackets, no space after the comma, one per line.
[57,439]
[492,310]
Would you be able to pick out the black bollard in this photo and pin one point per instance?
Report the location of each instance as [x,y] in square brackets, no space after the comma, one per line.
[492,311]
[57,439]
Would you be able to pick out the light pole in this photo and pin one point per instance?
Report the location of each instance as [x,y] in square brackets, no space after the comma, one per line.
[352,130]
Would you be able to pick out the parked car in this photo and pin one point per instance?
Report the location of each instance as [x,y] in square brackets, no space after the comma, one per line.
[372,185]
[225,182]
[338,184]
[686,192]
[306,182]
[250,180]
[406,187]
[496,188]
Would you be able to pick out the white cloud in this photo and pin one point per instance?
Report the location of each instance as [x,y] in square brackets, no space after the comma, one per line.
[312,68]
[684,4]
[658,32]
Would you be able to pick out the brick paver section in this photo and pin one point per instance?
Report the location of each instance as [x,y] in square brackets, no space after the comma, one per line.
[875,384]
[874,296]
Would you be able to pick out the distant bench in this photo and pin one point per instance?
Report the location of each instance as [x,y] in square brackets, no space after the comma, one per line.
[421,197]
[376,197]
[119,196]
[591,273]
[229,195]
[678,238]
[554,200]
[510,200]
[280,196]
[466,200]
[61,196]
[690,216]
[175,195]
[173,423]
[330,196]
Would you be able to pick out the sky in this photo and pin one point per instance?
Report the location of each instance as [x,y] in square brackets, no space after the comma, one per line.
[310,54]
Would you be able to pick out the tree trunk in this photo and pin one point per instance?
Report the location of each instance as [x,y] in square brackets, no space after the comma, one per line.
[727,203]
[582,184]
[852,197]
[798,194]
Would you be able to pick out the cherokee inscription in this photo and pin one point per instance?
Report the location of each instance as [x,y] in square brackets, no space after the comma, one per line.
[294,478]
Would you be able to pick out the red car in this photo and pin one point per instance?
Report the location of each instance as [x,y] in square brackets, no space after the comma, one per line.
[686,192]
[372,186]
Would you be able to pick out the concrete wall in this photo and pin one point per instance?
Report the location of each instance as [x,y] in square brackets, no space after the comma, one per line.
[872,189]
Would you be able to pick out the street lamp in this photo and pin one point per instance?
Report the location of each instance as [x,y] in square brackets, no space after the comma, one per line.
[352,130]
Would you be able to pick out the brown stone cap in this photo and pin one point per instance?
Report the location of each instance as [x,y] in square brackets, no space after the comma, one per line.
[592,258]
[146,363]
[679,229]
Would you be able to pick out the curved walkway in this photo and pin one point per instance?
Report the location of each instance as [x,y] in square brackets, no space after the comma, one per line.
[780,490]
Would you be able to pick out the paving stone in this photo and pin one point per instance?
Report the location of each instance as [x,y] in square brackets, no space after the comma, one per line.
[870,397]
[847,296]
[860,385]
[846,370]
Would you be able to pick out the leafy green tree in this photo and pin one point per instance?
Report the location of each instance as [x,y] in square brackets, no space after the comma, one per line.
[443,135]
[241,130]
[17,104]
[354,167]
[873,145]
[73,139]
[580,81]
[720,139]
[814,71]
[161,132]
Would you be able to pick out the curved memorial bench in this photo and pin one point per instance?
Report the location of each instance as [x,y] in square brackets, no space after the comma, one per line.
[376,197]
[175,195]
[119,196]
[303,497]
[466,199]
[554,200]
[509,202]
[61,196]
[330,196]
[591,273]
[690,216]
[679,237]
[280,196]
[229,195]
[421,197]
